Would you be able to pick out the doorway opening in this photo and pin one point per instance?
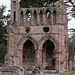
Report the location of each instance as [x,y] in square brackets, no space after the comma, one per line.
[48,58]
[28,55]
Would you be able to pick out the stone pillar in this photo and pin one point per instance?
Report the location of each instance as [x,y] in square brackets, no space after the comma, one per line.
[61,20]
[38,57]
[44,18]
[20,57]
[44,58]
[57,17]
[19,18]
[24,18]
[57,61]
[32,19]
[10,38]
[70,65]
[52,17]
[38,19]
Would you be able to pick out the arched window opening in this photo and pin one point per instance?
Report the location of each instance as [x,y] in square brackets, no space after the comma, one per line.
[21,18]
[49,55]
[28,52]
[41,17]
[14,16]
[28,13]
[54,17]
[35,17]
[48,16]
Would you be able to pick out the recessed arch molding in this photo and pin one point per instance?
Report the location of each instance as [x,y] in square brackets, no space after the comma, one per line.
[24,39]
[48,37]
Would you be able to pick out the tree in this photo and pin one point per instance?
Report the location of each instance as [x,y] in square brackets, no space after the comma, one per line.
[71,7]
[3,33]
[72,44]
[37,3]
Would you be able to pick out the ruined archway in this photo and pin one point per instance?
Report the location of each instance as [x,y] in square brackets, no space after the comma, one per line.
[28,52]
[26,41]
[48,55]
[28,55]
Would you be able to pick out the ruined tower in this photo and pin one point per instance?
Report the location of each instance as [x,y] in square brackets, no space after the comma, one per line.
[38,37]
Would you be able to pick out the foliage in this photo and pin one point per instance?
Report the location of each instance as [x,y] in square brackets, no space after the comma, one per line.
[37,3]
[3,33]
[2,52]
[71,7]
[2,26]
[71,44]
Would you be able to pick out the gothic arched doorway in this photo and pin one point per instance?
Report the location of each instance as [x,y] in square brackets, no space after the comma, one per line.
[48,58]
[28,55]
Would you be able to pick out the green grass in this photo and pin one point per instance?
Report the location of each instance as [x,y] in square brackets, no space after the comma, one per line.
[73,73]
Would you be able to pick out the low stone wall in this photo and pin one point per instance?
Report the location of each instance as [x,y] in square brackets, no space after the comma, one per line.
[11,70]
[51,74]
[7,73]
[15,70]
[10,73]
[71,65]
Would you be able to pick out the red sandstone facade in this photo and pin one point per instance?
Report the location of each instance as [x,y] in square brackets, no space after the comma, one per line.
[38,36]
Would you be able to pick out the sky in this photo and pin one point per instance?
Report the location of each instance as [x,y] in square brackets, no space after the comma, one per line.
[71,23]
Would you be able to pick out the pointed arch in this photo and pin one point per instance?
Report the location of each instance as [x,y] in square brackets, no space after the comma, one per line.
[24,39]
[48,55]
[35,17]
[48,16]
[28,51]
[28,16]
[41,17]
[21,18]
[54,17]
[47,37]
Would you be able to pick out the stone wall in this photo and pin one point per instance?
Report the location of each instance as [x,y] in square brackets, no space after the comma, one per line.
[7,73]
[71,65]
[45,23]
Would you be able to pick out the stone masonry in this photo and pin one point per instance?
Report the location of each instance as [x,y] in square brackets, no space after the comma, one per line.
[38,37]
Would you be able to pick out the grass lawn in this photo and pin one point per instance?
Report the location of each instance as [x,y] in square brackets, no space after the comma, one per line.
[73,73]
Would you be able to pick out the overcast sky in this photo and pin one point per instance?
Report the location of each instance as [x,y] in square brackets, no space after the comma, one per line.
[71,23]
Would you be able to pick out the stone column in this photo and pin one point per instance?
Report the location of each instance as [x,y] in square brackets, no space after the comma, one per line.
[10,38]
[19,19]
[44,57]
[38,57]
[57,60]
[38,19]
[44,18]
[52,17]
[32,19]
[61,18]
[24,18]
